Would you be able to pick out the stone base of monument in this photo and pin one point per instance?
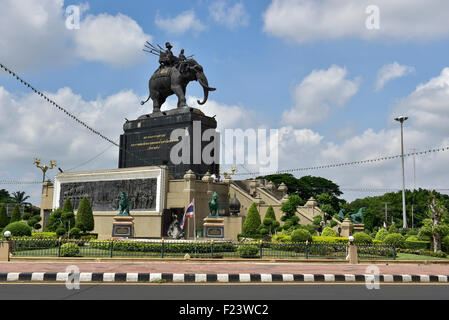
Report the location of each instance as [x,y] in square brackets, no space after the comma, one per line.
[213,228]
[150,137]
[123,227]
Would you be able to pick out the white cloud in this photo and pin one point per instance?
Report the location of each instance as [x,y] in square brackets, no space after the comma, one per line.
[117,40]
[180,24]
[428,110]
[428,106]
[320,92]
[390,72]
[309,20]
[229,16]
[34,35]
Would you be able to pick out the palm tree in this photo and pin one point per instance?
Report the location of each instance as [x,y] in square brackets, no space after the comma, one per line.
[20,198]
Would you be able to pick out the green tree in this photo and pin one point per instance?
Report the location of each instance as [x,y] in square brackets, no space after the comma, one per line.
[85,217]
[434,227]
[269,224]
[67,206]
[4,220]
[290,219]
[307,186]
[19,197]
[54,221]
[252,221]
[16,214]
[4,196]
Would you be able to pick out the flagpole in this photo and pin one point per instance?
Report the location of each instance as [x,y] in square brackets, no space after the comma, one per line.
[194,221]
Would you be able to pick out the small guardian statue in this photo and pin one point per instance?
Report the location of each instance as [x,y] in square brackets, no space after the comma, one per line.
[123,206]
[213,206]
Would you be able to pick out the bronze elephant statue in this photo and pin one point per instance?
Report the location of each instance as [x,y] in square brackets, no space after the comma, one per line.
[169,80]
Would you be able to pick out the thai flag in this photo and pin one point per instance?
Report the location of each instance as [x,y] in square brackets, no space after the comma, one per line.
[190,213]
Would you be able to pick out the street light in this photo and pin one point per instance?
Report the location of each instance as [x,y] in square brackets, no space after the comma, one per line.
[7,235]
[44,168]
[402,119]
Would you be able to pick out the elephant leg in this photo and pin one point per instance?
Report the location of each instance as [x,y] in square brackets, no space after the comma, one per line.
[182,102]
[156,103]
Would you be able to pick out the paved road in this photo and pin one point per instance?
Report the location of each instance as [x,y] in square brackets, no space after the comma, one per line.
[223,292]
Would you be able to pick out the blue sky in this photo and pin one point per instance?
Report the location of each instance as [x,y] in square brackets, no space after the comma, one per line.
[268,59]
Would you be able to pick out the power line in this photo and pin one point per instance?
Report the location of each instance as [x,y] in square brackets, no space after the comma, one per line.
[90,160]
[352,163]
[73,117]
[18,182]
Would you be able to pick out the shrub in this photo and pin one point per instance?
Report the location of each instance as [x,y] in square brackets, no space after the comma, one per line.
[85,217]
[26,216]
[445,244]
[311,228]
[301,235]
[362,238]
[248,251]
[54,220]
[75,233]
[317,220]
[393,229]
[252,221]
[16,215]
[44,235]
[3,216]
[282,237]
[33,222]
[329,232]
[412,232]
[69,250]
[269,224]
[395,239]
[61,231]
[18,229]
[330,240]
[381,234]
[412,244]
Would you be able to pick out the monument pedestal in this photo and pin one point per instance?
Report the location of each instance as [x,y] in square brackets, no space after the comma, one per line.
[148,141]
[123,227]
[213,228]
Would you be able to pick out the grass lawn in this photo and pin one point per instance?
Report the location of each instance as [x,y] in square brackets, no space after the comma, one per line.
[409,256]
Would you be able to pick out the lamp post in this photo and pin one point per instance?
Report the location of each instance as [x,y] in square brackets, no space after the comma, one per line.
[402,119]
[44,168]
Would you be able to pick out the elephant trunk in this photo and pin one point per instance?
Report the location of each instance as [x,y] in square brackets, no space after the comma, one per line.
[205,84]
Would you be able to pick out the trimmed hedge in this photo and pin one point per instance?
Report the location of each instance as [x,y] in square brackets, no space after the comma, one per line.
[362,238]
[382,234]
[248,251]
[134,246]
[301,235]
[282,237]
[330,240]
[44,235]
[395,239]
[417,245]
[70,250]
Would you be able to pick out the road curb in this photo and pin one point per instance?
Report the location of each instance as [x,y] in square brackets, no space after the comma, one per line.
[215,278]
